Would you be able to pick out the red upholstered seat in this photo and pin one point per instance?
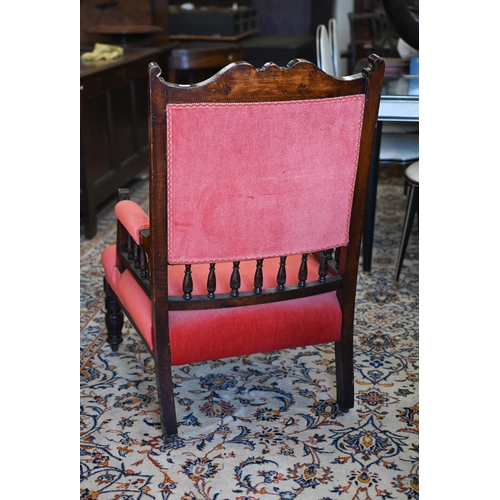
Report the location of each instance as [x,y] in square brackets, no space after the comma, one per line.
[219,333]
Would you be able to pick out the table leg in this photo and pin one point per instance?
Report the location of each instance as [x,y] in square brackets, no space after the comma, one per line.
[371,199]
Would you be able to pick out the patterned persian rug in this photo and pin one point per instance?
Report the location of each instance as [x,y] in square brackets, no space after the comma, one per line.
[262,427]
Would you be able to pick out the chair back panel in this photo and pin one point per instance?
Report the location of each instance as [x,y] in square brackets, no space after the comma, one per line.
[238,188]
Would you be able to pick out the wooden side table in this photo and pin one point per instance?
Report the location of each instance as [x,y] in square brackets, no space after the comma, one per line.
[195,61]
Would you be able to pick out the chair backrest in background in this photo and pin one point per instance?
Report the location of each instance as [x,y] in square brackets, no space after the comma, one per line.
[323,50]
[334,45]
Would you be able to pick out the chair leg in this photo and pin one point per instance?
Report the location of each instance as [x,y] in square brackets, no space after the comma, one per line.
[168,415]
[165,388]
[344,367]
[411,208]
[113,318]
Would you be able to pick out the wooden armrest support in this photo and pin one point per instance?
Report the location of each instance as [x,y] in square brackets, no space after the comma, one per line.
[133,242]
[145,241]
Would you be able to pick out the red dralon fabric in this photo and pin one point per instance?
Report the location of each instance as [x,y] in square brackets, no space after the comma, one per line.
[234,206]
[133,217]
[219,333]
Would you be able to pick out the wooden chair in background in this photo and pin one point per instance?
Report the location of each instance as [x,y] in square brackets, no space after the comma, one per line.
[327,48]
[255,175]
[412,180]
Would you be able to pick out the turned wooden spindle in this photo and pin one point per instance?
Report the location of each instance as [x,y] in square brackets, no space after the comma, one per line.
[137,258]
[211,282]
[323,267]
[113,318]
[303,270]
[130,248]
[336,258]
[235,281]
[258,279]
[143,264]
[281,278]
[187,283]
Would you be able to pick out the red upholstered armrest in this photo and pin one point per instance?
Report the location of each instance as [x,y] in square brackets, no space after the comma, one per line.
[133,218]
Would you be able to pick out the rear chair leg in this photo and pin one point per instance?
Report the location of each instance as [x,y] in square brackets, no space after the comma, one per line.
[345,371]
[113,318]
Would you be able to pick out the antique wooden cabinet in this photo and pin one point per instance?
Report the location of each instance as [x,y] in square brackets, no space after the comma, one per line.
[113,126]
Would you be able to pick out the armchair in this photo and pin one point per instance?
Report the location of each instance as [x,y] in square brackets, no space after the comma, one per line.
[255,176]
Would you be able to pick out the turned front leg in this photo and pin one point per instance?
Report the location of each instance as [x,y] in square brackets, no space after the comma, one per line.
[113,318]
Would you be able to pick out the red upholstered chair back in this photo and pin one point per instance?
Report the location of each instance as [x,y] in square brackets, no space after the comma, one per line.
[257,179]
[260,179]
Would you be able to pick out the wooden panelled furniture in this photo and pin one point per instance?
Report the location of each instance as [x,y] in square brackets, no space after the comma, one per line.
[128,23]
[113,96]
[255,176]
[113,126]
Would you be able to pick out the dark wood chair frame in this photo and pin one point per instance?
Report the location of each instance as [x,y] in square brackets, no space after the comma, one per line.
[241,82]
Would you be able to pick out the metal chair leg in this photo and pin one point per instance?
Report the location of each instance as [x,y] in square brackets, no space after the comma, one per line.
[411,208]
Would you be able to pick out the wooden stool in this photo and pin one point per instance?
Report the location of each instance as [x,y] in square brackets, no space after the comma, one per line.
[196,61]
[411,177]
